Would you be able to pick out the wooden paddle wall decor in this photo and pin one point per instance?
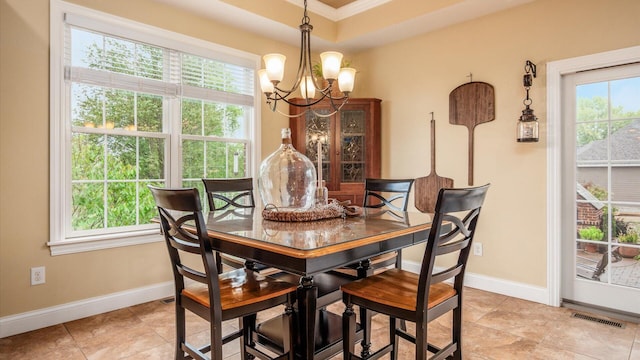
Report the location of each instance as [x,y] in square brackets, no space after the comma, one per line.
[427,187]
[471,104]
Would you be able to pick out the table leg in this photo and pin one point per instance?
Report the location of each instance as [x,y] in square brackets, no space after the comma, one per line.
[251,265]
[307,295]
[365,270]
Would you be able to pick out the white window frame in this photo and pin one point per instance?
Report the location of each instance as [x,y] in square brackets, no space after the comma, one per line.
[60,174]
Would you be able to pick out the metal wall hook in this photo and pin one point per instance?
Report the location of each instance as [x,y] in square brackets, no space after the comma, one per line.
[530,67]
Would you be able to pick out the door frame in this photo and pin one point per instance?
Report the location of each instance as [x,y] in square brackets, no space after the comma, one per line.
[555,72]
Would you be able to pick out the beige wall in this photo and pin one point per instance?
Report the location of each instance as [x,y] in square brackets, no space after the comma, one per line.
[24,159]
[413,77]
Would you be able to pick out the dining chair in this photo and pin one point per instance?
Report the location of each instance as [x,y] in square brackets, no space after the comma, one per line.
[225,193]
[214,296]
[391,194]
[421,298]
[233,194]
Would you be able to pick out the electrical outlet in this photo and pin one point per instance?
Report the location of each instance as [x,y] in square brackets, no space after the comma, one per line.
[37,275]
[477,249]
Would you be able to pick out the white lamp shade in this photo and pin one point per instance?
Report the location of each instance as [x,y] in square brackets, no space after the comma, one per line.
[274,63]
[265,84]
[331,61]
[346,79]
[307,88]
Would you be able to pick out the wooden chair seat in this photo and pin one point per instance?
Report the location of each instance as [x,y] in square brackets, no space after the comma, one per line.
[328,285]
[240,287]
[397,288]
[237,263]
[377,264]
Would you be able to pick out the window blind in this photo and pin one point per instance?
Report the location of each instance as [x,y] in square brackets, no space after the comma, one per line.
[154,70]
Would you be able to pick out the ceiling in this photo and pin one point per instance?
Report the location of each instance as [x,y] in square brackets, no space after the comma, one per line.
[344,25]
[337,3]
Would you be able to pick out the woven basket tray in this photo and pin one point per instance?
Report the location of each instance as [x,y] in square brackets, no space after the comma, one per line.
[330,211]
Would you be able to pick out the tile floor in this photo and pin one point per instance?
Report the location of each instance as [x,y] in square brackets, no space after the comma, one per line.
[495,327]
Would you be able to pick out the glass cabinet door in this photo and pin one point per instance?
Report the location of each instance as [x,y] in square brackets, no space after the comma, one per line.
[349,143]
[352,142]
[318,129]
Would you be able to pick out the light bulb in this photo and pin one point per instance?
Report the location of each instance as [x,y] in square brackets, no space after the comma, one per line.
[331,61]
[307,88]
[274,63]
[346,79]
[265,84]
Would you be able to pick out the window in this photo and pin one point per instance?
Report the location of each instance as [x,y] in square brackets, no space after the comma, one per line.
[132,106]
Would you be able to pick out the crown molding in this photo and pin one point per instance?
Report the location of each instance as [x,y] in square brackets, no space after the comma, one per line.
[341,13]
[463,10]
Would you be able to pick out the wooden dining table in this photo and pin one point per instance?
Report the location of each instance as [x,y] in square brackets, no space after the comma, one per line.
[314,247]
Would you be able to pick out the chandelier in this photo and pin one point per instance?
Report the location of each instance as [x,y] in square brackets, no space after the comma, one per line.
[305,82]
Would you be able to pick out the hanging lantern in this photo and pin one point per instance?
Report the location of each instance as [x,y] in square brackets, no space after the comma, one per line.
[528,122]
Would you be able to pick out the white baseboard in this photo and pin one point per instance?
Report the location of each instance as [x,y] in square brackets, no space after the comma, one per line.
[495,285]
[32,320]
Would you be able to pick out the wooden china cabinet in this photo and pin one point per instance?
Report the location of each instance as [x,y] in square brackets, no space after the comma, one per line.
[350,144]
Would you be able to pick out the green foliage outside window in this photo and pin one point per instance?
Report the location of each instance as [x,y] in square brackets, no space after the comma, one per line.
[591,233]
[111,170]
[630,238]
[590,111]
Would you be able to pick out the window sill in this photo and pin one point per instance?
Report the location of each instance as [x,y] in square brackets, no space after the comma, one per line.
[92,243]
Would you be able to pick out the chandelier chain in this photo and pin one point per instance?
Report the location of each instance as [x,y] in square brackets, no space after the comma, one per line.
[305,17]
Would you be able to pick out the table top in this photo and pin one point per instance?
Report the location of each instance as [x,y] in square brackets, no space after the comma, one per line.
[313,238]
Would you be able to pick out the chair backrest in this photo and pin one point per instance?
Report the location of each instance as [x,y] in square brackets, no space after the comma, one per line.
[453,228]
[398,190]
[229,192]
[179,208]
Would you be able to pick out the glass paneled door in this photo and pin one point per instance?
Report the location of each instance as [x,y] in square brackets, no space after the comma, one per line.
[601,188]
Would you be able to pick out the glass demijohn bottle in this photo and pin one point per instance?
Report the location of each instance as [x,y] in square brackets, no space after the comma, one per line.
[287,178]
